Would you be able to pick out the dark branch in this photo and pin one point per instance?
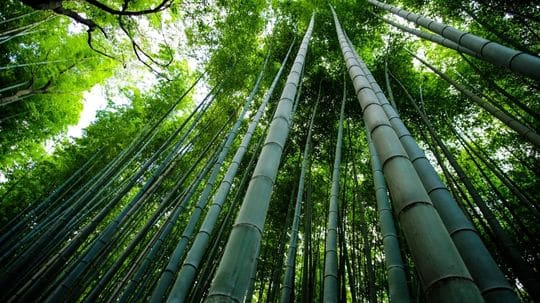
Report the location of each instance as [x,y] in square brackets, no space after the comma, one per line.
[80,19]
[162,6]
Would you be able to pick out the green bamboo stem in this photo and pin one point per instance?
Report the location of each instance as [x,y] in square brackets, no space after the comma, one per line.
[167,276]
[527,276]
[234,271]
[521,129]
[330,282]
[482,266]
[188,270]
[431,37]
[443,274]
[517,61]
[395,268]
[288,278]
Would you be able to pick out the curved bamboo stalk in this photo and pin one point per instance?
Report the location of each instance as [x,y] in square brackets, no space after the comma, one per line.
[442,271]
[234,271]
[490,51]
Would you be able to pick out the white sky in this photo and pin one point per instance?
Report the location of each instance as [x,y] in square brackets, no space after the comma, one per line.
[93,100]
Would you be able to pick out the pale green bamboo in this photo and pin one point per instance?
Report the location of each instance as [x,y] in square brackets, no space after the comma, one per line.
[495,53]
[234,271]
[288,278]
[395,268]
[330,283]
[442,271]
[189,268]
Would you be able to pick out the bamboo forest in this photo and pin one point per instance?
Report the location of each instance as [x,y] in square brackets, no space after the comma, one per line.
[269,151]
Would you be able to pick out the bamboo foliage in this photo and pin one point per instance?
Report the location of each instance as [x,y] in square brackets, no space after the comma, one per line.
[231,280]
[436,257]
[490,51]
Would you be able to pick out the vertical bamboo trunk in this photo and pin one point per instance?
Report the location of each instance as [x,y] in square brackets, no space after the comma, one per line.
[288,279]
[493,85]
[520,194]
[527,276]
[106,236]
[395,269]
[233,274]
[388,84]
[51,268]
[443,273]
[482,266]
[490,51]
[330,282]
[164,205]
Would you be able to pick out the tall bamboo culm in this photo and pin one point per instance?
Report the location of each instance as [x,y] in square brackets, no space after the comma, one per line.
[527,133]
[287,294]
[330,281]
[188,271]
[442,272]
[395,269]
[233,274]
[483,268]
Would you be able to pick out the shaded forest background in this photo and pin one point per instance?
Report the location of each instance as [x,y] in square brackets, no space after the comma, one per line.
[145,61]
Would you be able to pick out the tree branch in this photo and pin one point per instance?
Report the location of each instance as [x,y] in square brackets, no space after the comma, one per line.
[162,6]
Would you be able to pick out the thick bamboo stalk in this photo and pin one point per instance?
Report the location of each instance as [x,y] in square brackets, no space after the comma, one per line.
[234,271]
[431,37]
[167,276]
[395,268]
[490,51]
[527,276]
[481,265]
[442,271]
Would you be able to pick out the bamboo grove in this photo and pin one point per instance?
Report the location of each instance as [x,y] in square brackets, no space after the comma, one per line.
[342,151]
